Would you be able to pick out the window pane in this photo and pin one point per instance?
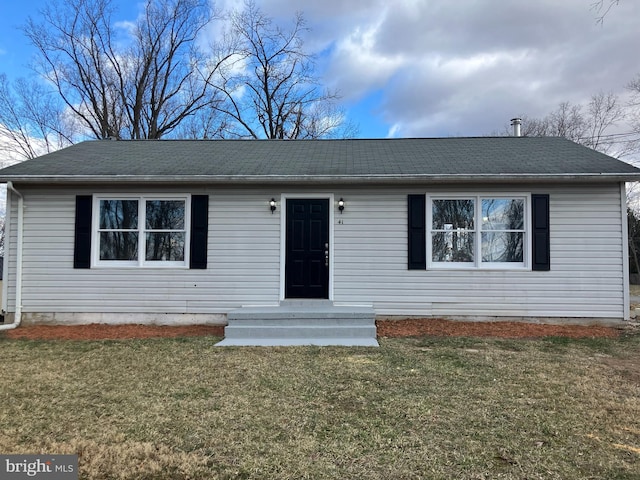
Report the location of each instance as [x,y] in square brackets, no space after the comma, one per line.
[168,247]
[454,246]
[502,246]
[165,214]
[453,214]
[118,245]
[118,214]
[502,214]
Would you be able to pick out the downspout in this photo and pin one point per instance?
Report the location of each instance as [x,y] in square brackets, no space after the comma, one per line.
[17,316]
[626,299]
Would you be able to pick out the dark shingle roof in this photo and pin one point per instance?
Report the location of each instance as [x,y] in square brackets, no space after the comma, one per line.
[437,159]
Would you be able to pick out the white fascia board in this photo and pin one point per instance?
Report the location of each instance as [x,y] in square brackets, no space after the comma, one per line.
[319,179]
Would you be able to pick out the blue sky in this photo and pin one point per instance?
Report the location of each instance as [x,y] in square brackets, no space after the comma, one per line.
[13,48]
[428,68]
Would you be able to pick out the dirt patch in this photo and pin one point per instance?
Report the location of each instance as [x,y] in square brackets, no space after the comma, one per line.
[628,368]
[386,328]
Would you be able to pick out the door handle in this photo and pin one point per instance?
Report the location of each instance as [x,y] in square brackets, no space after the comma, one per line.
[326,254]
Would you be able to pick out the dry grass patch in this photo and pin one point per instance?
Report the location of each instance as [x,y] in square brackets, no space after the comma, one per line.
[414,408]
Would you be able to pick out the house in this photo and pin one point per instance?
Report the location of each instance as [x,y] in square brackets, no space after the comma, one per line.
[185,231]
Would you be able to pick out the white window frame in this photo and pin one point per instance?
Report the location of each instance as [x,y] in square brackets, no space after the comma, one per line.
[478,264]
[141,262]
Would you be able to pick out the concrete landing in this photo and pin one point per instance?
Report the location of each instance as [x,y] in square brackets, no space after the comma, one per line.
[304,322]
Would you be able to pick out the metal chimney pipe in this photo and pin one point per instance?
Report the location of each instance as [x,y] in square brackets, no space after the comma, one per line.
[515,123]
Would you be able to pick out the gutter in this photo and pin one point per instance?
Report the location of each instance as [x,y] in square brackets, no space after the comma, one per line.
[371,179]
[17,317]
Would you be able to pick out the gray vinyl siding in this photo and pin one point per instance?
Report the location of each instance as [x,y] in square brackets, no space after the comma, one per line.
[243,261]
[369,264]
[586,277]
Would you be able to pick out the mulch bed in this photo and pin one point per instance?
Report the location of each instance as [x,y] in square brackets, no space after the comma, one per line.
[110,332]
[386,329]
[449,328]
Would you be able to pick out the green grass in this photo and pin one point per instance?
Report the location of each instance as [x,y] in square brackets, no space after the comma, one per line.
[415,408]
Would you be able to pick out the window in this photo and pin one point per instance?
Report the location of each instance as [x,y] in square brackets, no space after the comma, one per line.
[453,230]
[141,231]
[477,231]
[502,233]
[165,232]
[118,229]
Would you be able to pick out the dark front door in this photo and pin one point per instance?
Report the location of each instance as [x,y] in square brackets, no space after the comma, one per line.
[307,249]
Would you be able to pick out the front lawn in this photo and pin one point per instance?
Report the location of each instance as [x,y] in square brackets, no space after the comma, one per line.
[415,408]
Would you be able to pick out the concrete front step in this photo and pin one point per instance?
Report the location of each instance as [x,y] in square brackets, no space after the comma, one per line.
[298,342]
[299,331]
[284,319]
[301,323]
[292,312]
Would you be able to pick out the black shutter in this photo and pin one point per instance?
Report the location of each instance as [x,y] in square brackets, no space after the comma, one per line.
[199,231]
[541,239]
[416,233]
[82,239]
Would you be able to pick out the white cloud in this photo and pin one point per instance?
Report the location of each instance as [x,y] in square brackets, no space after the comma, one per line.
[126,25]
[395,129]
[436,67]
[465,68]
[357,53]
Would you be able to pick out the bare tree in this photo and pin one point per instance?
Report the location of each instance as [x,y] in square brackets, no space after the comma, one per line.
[32,120]
[592,126]
[142,85]
[633,226]
[566,121]
[634,106]
[605,111]
[171,76]
[207,124]
[151,79]
[602,8]
[76,55]
[269,87]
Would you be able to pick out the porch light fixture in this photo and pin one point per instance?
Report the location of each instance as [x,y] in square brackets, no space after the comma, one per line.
[341,204]
[272,204]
